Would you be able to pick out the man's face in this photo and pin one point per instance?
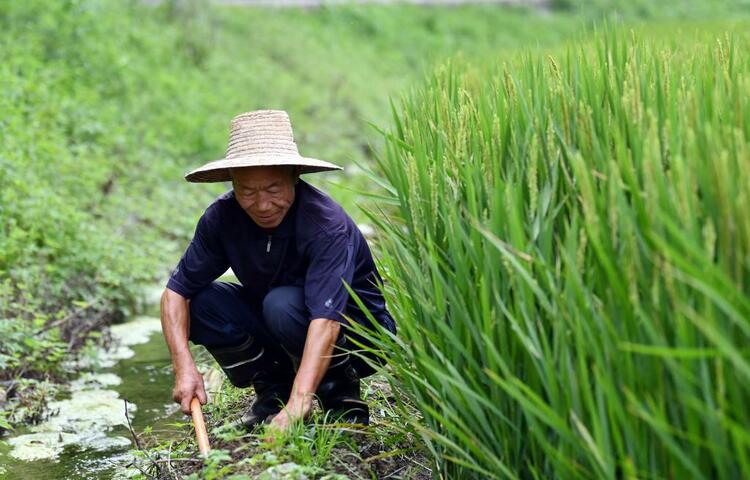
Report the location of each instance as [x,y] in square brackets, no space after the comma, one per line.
[264,193]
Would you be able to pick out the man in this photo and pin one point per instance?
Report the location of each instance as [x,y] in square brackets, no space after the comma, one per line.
[284,329]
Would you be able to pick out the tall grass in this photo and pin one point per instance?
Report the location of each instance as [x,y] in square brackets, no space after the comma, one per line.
[568,259]
[105,105]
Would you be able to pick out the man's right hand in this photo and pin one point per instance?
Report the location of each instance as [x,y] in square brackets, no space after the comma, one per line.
[175,323]
[187,386]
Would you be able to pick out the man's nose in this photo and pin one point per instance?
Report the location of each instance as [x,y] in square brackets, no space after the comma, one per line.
[264,204]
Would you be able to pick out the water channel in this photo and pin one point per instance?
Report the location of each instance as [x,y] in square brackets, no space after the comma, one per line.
[89,437]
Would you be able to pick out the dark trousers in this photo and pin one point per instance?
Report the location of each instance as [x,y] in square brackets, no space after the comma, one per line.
[224,315]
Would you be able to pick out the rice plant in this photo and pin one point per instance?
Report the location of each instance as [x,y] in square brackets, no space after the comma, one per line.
[568,258]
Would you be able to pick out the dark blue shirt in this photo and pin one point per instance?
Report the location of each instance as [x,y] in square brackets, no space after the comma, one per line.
[316,246]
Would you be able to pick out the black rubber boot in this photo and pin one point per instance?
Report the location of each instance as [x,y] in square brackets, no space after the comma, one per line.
[270,375]
[339,391]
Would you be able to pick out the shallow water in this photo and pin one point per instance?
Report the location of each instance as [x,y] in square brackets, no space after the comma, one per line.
[89,437]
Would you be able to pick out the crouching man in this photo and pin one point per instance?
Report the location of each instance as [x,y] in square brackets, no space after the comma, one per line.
[283,329]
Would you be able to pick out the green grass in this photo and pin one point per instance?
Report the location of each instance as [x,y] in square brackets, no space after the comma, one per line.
[317,448]
[646,9]
[567,252]
[105,105]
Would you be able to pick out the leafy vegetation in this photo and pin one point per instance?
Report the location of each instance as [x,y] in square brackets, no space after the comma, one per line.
[677,9]
[571,281]
[567,255]
[105,105]
[317,448]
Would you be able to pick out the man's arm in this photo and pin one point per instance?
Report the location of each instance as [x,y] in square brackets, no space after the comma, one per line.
[316,357]
[332,262]
[175,323]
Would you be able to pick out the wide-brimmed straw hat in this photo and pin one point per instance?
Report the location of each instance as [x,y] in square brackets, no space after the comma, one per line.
[261,138]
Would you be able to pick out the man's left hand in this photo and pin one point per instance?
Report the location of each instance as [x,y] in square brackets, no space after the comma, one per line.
[316,356]
[296,408]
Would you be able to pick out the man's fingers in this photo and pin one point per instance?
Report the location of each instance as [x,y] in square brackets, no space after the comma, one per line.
[185,404]
[201,394]
[280,421]
[187,388]
[273,431]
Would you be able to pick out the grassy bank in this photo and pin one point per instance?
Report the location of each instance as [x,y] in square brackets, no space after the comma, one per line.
[646,9]
[317,448]
[106,104]
[568,257]
[525,349]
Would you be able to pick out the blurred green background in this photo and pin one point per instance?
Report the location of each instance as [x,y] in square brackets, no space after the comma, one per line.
[105,105]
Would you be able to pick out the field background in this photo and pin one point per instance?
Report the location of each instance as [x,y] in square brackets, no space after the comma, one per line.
[105,105]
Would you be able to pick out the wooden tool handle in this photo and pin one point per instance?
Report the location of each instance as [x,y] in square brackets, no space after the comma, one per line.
[200,426]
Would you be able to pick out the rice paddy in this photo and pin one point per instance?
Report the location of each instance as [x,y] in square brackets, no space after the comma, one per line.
[559,217]
[567,248]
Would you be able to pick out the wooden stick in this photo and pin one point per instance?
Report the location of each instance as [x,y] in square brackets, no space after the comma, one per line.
[200,426]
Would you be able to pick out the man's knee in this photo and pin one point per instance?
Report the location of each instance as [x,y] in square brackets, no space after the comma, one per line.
[285,314]
[219,317]
[207,302]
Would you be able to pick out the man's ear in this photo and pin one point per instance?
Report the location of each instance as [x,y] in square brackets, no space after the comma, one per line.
[296,173]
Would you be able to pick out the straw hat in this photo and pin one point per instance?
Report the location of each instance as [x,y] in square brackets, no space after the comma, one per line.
[258,139]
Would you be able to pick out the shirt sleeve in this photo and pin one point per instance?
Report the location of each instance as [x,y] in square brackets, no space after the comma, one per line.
[203,261]
[331,264]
